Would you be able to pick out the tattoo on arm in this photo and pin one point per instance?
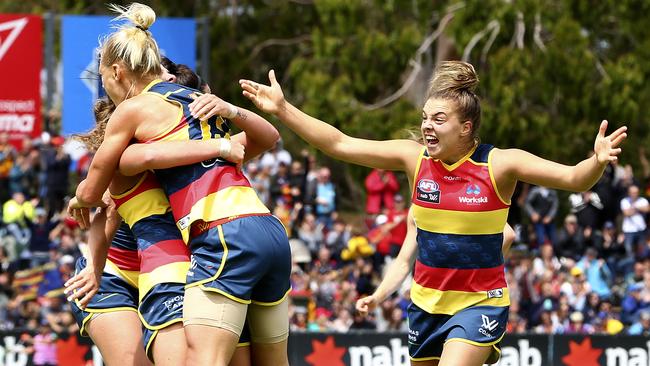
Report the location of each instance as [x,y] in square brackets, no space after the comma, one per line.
[241,115]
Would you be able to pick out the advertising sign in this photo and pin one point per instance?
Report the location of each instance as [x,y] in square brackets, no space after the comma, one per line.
[81,35]
[21,59]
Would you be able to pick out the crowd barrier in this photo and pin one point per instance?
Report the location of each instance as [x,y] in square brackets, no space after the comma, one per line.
[386,349]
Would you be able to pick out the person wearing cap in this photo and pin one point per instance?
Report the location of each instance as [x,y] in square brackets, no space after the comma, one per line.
[632,302]
[577,324]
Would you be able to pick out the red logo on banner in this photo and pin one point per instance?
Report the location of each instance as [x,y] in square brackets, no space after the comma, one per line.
[325,353]
[70,352]
[582,354]
[21,59]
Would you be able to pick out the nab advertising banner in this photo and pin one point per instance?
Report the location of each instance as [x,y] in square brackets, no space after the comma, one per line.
[386,349]
[21,59]
[176,38]
[379,349]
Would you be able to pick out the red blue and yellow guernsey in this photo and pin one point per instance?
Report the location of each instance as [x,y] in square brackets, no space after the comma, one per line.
[123,259]
[163,254]
[210,191]
[460,217]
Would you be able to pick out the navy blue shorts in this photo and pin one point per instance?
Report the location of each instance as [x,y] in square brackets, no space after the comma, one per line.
[114,294]
[247,260]
[477,325]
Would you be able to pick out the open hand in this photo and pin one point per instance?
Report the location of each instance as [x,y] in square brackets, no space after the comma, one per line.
[606,147]
[83,286]
[209,105]
[270,99]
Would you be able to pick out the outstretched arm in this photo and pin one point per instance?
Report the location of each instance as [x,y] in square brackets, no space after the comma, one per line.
[258,134]
[397,271]
[391,155]
[517,165]
[167,154]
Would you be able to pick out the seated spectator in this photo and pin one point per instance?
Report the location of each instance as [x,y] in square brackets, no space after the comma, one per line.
[337,239]
[42,233]
[632,303]
[570,242]
[273,158]
[311,233]
[325,200]
[379,237]
[577,325]
[397,224]
[612,249]
[358,247]
[597,272]
[642,326]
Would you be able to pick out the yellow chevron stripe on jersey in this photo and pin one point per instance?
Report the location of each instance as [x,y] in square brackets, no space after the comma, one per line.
[450,302]
[175,272]
[460,222]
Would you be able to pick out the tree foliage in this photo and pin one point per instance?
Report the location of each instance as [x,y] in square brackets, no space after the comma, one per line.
[549,72]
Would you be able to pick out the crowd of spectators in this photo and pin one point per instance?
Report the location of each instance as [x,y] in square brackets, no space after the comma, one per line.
[586,271]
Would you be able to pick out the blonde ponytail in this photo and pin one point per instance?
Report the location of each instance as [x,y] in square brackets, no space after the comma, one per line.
[132,42]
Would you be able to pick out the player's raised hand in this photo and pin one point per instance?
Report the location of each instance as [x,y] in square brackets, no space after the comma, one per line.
[269,99]
[606,147]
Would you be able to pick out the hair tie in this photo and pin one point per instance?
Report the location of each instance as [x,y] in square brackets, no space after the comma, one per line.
[141,28]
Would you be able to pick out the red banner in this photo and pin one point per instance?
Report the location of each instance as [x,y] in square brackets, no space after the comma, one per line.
[21,60]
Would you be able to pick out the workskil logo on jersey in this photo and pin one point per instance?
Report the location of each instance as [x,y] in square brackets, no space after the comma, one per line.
[427,190]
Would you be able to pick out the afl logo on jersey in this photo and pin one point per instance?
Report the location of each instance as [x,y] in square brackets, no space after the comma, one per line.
[428,191]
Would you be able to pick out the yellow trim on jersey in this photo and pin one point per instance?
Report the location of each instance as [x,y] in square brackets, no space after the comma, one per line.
[493,180]
[286,294]
[150,85]
[450,302]
[460,222]
[175,272]
[243,344]
[176,122]
[478,343]
[223,293]
[148,346]
[130,190]
[459,162]
[424,358]
[477,163]
[131,277]
[227,202]
[161,326]
[224,257]
[145,204]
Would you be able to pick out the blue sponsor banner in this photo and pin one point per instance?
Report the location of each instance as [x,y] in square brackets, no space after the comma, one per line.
[80,35]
